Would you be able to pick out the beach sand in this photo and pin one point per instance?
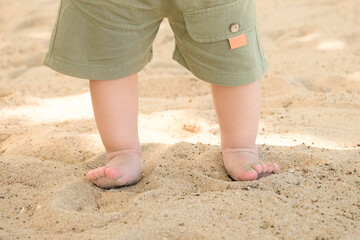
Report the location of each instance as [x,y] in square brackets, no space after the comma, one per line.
[310,125]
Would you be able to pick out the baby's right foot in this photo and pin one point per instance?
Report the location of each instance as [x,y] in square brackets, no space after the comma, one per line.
[123,168]
[244,164]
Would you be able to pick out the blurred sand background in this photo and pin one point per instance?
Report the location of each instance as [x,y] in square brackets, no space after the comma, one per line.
[310,125]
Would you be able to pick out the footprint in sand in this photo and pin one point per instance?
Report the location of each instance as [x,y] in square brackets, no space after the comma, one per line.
[123,198]
[84,197]
[77,196]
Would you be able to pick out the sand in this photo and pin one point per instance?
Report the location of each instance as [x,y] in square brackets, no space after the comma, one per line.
[309,124]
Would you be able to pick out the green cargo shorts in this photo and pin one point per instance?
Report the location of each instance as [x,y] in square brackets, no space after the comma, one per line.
[217,41]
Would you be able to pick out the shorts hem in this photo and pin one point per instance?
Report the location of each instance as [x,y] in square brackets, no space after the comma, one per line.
[230,80]
[95,72]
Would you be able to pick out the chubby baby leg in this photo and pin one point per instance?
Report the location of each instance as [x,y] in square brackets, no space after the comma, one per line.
[115,105]
[238,112]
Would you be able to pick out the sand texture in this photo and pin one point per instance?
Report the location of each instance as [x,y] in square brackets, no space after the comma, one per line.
[310,125]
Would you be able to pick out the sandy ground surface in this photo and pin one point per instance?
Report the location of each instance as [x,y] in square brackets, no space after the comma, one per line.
[310,125]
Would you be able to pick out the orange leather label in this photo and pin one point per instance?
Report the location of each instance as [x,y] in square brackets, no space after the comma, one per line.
[238,41]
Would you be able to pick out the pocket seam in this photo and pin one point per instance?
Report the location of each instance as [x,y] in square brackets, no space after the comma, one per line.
[224,32]
[209,10]
[60,10]
[214,38]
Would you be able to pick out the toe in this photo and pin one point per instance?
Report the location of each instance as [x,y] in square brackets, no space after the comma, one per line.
[270,167]
[276,167]
[264,167]
[99,172]
[94,174]
[91,175]
[248,175]
[113,172]
[257,167]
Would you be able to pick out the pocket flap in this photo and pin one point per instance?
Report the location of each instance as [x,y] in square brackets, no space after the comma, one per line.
[213,23]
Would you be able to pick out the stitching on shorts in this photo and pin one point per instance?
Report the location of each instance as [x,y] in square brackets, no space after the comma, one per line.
[98,67]
[211,37]
[215,37]
[213,9]
[229,74]
[258,45]
[56,27]
[165,7]
[232,79]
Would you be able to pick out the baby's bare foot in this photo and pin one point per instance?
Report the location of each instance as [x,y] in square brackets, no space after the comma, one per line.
[244,164]
[123,168]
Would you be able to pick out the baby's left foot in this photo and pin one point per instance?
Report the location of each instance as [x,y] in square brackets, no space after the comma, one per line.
[244,164]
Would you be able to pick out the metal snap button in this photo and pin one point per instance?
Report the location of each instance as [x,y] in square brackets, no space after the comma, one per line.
[234,27]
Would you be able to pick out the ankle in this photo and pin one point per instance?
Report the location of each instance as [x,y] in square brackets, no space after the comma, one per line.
[125,151]
[249,149]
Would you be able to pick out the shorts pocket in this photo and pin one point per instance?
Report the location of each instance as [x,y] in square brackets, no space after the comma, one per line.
[214,23]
